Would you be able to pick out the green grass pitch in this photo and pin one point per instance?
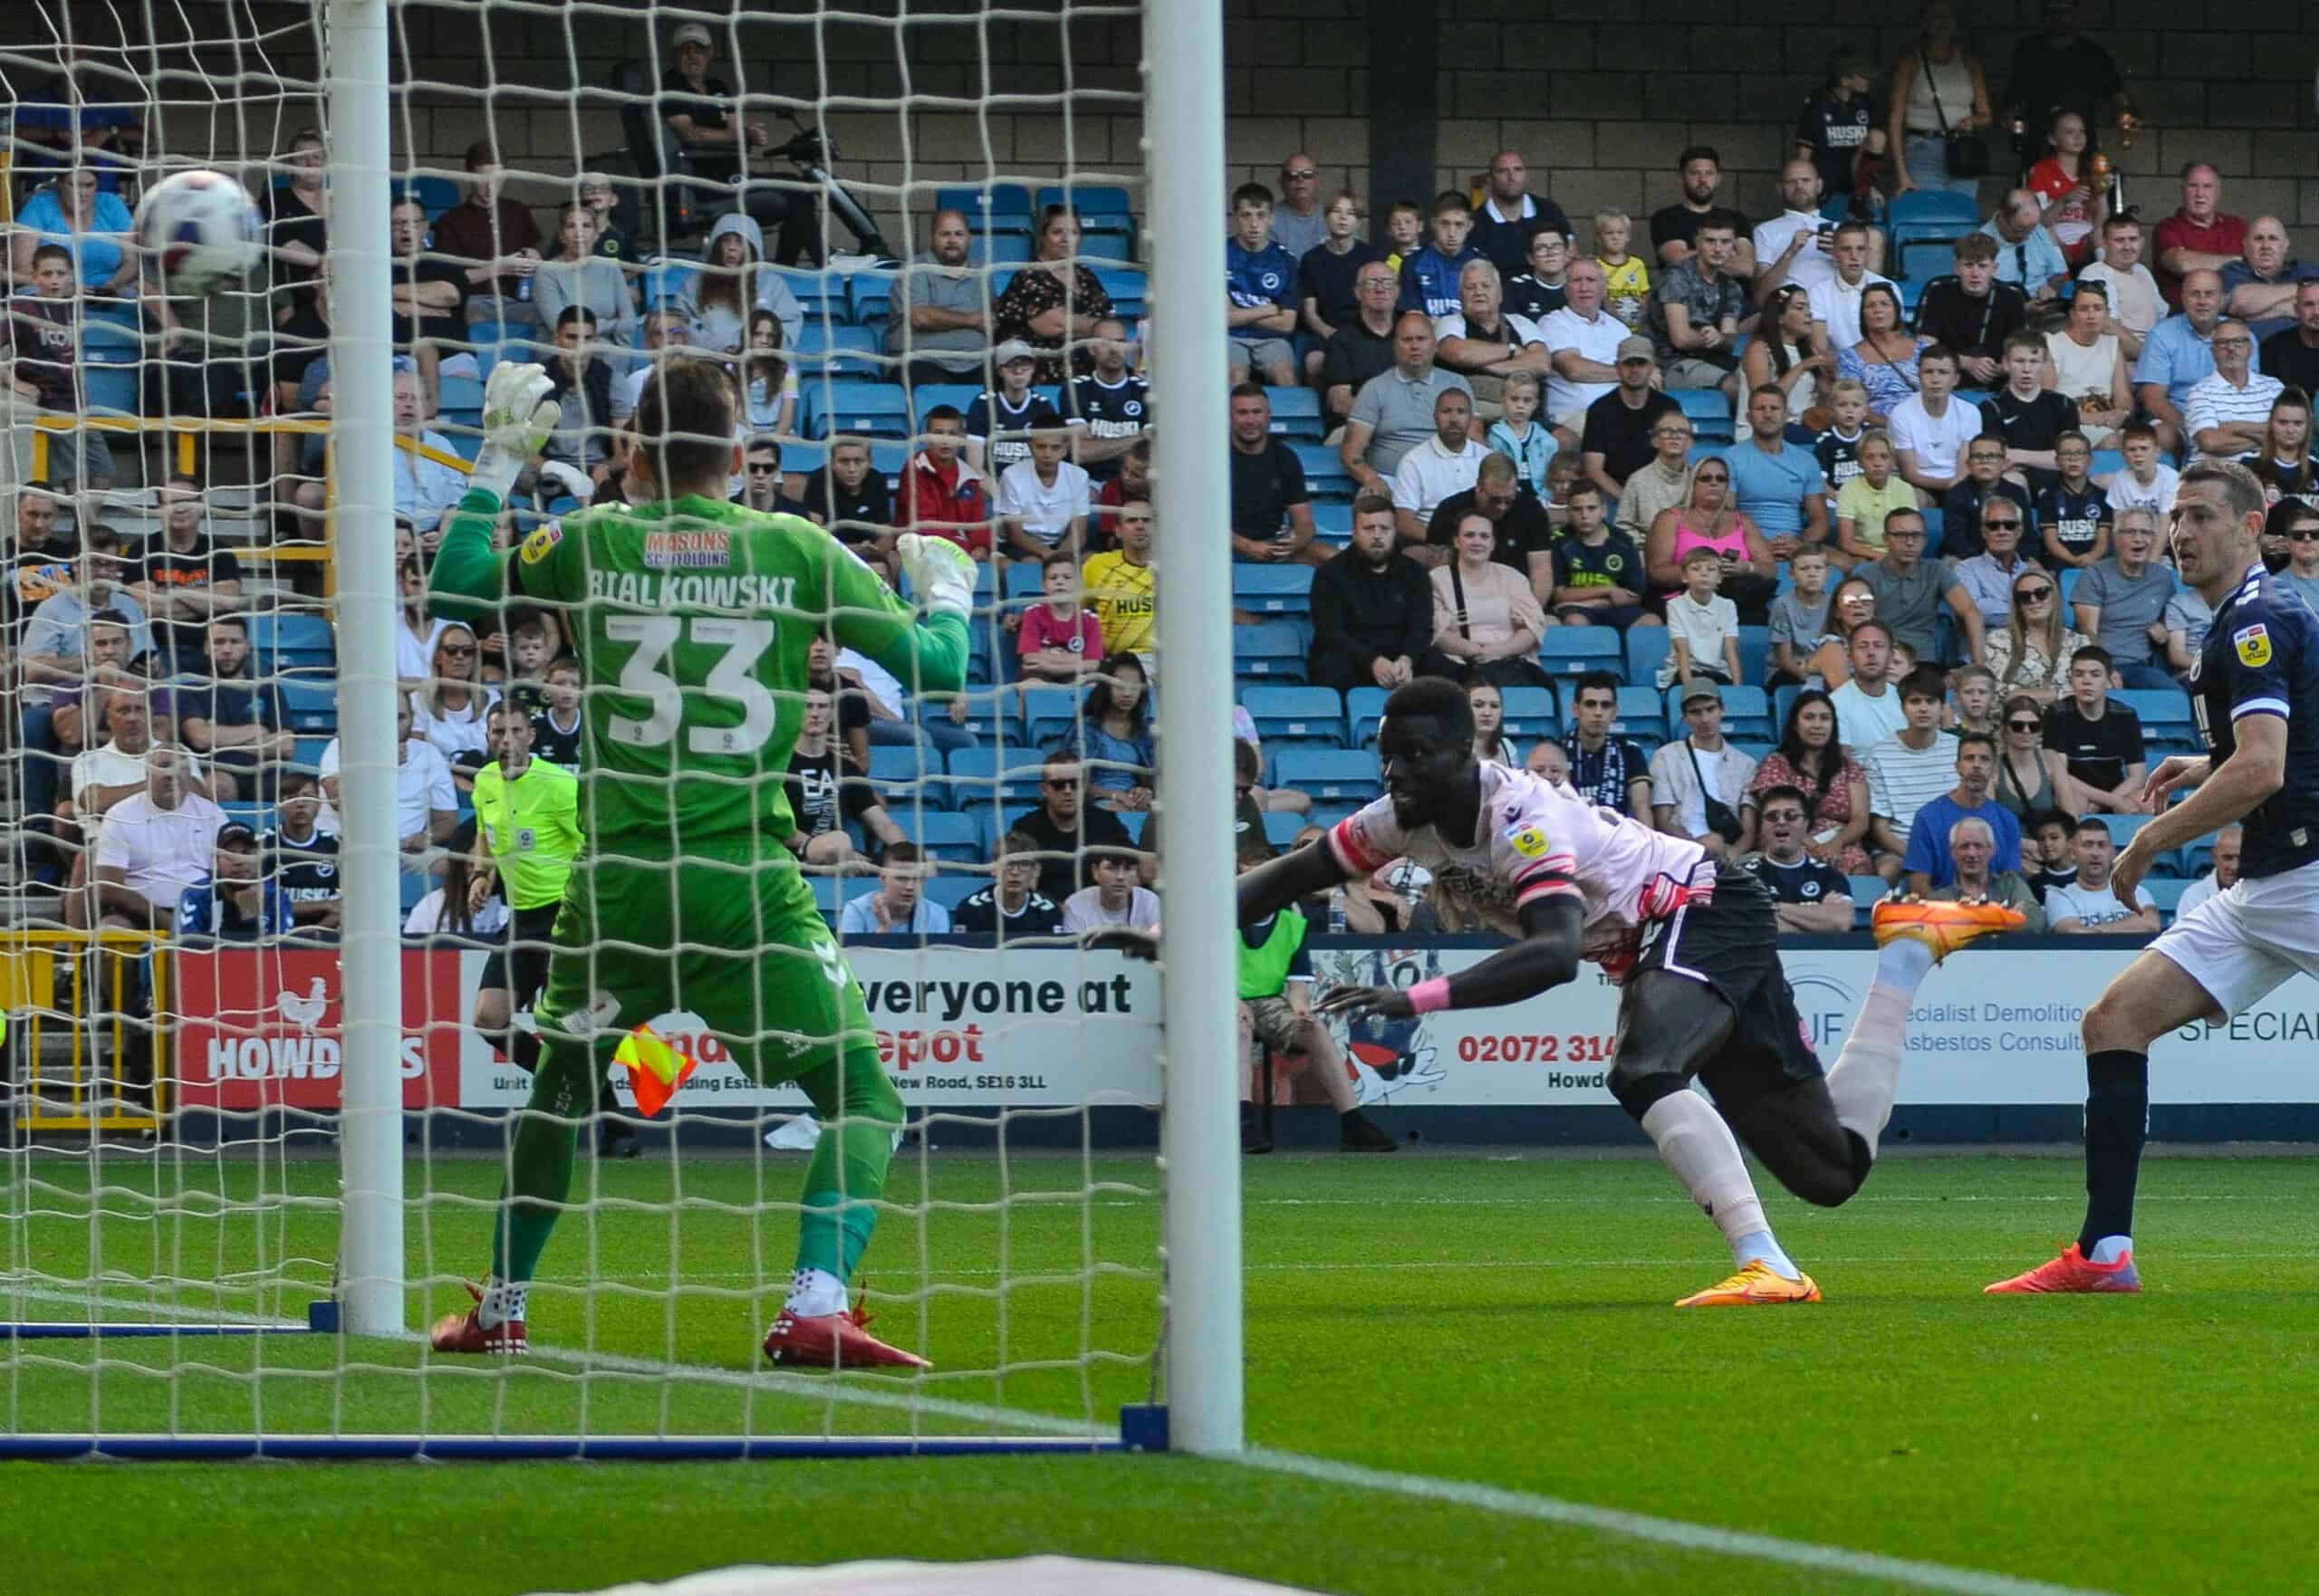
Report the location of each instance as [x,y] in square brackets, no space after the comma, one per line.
[1498,1320]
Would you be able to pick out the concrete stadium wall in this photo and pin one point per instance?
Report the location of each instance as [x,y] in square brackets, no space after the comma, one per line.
[1598,93]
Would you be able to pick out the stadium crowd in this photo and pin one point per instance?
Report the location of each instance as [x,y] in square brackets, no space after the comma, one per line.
[1858,578]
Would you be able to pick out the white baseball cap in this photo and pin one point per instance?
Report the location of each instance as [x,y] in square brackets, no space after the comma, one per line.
[691,33]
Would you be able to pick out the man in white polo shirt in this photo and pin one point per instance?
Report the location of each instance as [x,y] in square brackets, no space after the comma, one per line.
[1794,245]
[154,846]
[427,802]
[103,777]
[2226,413]
[1445,464]
[1584,339]
[1931,428]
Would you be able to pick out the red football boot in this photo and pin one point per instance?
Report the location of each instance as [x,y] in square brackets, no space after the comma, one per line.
[834,1341]
[464,1332]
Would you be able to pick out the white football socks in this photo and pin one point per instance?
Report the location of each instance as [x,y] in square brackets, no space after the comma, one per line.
[814,1293]
[501,1301]
[1695,1144]
[1867,1074]
[2111,1248]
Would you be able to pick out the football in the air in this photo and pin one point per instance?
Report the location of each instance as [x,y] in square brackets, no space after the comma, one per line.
[198,230]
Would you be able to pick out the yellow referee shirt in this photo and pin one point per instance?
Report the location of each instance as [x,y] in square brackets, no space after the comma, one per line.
[531,826]
[1119,593]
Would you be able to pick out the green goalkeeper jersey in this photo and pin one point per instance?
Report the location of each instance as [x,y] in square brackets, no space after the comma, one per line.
[692,620]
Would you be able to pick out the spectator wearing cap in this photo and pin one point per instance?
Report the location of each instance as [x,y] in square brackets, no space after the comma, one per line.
[939,321]
[1000,422]
[2027,254]
[1393,412]
[1483,342]
[1259,292]
[1615,440]
[1511,217]
[1586,339]
[1971,311]
[2259,287]
[232,902]
[1695,309]
[1696,766]
[701,111]
[2199,236]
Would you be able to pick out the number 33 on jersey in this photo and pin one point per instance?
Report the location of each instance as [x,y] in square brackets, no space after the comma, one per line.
[692,621]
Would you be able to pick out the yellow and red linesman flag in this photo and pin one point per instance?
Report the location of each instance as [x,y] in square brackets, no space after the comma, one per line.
[655,1069]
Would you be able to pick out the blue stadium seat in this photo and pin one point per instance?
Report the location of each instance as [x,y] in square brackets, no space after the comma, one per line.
[1530,713]
[1272,589]
[1326,472]
[1338,775]
[840,351]
[1050,716]
[1363,708]
[1867,893]
[871,295]
[1091,200]
[823,294]
[1935,526]
[989,207]
[1646,649]
[2106,461]
[868,410]
[1332,521]
[951,888]
[942,834]
[306,754]
[1107,241]
[1922,204]
[436,194]
[292,639]
[1273,650]
[2166,893]
[2123,827]
[929,395]
[1922,259]
[1709,413]
[1642,713]
[1783,700]
[665,280]
[1130,289]
[909,777]
[1025,580]
[1296,413]
[1573,650]
[1280,830]
[999,249]
[1304,717]
[984,777]
[2168,723]
[309,705]
[1755,649]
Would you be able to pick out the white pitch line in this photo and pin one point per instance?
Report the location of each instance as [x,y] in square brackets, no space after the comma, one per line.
[1663,1532]
[815,1387]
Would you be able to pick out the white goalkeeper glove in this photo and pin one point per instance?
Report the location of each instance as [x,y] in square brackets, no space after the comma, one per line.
[517,417]
[941,572]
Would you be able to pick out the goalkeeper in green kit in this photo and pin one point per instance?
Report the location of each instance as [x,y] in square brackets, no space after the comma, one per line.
[692,617]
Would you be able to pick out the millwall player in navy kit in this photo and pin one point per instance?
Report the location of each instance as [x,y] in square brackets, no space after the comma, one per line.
[1692,945]
[2255,687]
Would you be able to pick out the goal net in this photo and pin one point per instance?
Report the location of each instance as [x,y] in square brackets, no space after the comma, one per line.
[293,824]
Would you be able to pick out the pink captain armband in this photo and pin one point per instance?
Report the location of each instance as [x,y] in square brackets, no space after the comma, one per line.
[1430,996]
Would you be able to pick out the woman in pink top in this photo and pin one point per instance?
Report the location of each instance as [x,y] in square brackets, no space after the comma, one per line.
[1750,571]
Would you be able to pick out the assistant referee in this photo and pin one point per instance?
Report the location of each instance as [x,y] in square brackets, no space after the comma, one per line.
[527,837]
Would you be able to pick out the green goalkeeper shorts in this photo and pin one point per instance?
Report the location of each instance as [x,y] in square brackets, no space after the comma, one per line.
[735,941]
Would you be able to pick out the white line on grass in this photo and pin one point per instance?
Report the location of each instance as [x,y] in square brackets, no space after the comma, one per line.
[1663,1532]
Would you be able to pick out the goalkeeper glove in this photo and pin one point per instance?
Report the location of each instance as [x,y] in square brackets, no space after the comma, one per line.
[941,572]
[517,417]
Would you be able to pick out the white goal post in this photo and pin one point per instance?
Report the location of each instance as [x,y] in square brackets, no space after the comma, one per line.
[393,1226]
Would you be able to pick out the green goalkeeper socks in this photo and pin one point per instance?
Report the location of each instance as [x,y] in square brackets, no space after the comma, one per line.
[847,1174]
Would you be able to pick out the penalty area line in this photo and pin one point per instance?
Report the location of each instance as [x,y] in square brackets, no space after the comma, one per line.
[1663,1532]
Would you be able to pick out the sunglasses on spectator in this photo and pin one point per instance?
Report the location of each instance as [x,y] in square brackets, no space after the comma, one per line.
[2030,595]
[1715,477]
[458,647]
[1066,782]
[2029,725]
[2303,535]
[1301,175]
[2234,344]
[757,470]
[2015,524]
